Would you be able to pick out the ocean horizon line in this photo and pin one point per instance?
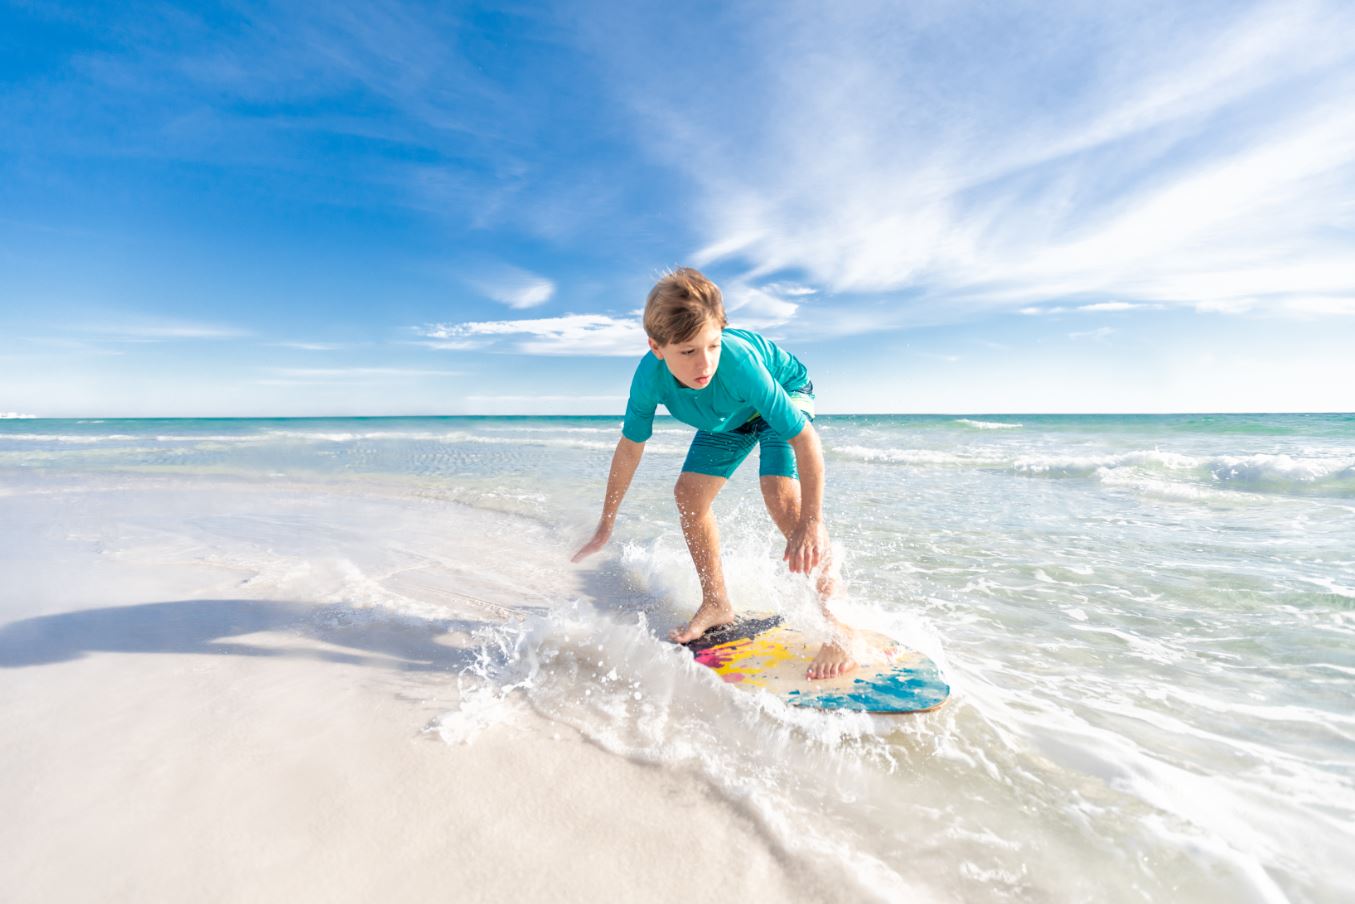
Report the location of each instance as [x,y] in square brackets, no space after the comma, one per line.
[620,415]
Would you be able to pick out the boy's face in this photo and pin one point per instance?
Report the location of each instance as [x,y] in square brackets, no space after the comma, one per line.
[692,361]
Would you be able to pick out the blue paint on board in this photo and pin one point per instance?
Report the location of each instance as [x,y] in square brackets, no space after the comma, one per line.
[904,690]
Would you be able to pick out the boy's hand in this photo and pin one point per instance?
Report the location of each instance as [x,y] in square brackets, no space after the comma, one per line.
[807,546]
[600,538]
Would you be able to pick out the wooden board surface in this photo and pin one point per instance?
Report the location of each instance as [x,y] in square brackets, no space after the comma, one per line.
[760,652]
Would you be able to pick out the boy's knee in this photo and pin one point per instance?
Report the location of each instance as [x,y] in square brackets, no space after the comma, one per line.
[781,491]
[684,493]
[689,495]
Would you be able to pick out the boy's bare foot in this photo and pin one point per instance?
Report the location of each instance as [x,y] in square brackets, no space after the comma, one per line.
[832,660]
[710,615]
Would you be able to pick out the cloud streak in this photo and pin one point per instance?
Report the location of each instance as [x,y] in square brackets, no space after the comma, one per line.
[162,331]
[514,286]
[333,372]
[1158,154]
[568,334]
[313,346]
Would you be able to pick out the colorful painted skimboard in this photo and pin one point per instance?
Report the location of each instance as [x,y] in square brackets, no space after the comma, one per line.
[760,652]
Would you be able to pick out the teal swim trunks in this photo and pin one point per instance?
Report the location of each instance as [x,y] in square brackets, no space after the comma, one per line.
[720,454]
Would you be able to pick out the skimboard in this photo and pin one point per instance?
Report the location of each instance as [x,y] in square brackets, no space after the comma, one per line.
[760,652]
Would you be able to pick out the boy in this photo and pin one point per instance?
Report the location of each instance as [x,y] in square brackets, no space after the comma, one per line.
[739,390]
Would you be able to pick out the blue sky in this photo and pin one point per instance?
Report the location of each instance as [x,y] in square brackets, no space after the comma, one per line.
[403,208]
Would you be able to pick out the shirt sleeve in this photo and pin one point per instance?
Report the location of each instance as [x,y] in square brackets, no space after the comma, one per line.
[769,398]
[639,424]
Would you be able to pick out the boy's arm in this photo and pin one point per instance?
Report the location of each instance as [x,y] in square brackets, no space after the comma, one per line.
[625,460]
[808,544]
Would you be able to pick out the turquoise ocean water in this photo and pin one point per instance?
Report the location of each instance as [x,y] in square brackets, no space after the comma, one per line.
[1149,622]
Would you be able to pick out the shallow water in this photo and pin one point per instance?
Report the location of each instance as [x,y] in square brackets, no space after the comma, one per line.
[1148,622]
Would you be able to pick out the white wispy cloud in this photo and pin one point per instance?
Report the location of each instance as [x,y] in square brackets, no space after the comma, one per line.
[358,373]
[1233,306]
[161,331]
[313,346]
[568,334]
[1115,306]
[760,308]
[451,345]
[1151,155]
[1100,307]
[790,289]
[1316,305]
[347,376]
[514,286]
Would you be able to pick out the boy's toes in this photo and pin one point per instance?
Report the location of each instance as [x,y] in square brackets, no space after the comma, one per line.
[706,617]
[832,660]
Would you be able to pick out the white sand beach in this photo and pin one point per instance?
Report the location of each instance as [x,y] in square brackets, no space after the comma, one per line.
[202,700]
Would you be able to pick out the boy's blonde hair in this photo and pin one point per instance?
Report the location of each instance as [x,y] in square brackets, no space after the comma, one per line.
[680,304]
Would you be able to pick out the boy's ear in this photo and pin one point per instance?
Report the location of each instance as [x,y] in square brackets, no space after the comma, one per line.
[654,347]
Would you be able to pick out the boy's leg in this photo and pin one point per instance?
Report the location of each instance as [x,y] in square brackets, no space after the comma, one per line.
[695,493]
[782,496]
[781,493]
[712,458]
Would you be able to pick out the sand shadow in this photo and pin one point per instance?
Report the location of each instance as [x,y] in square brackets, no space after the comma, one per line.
[205,627]
[612,591]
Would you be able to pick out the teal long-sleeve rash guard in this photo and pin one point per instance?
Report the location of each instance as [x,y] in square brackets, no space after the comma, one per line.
[754,377]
